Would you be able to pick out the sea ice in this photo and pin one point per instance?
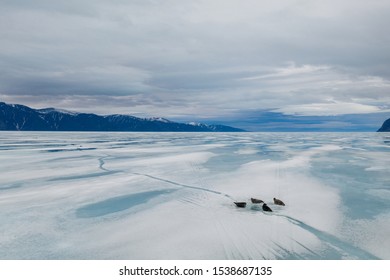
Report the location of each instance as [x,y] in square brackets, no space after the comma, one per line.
[170,195]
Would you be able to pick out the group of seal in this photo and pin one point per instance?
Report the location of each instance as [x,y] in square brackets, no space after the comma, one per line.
[265,207]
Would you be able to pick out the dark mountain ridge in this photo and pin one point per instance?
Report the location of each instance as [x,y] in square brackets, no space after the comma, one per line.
[20,117]
[385,126]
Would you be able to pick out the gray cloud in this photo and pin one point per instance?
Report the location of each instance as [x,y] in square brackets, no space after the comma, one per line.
[196,58]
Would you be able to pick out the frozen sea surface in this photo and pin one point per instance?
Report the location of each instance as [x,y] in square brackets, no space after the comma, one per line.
[170,195]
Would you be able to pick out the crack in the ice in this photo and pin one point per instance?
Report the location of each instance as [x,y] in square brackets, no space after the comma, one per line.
[183,185]
[102,162]
[332,240]
[307,248]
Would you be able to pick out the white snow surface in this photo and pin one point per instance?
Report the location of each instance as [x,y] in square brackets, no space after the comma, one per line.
[67,195]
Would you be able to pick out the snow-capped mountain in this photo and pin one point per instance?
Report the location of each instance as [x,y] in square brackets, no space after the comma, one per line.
[20,117]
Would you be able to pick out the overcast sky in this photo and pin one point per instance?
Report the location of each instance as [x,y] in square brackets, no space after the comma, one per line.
[197,59]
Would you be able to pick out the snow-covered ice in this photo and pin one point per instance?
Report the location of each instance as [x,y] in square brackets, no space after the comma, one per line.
[170,195]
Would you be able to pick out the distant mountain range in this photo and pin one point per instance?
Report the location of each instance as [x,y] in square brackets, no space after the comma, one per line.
[20,117]
[385,127]
[269,121]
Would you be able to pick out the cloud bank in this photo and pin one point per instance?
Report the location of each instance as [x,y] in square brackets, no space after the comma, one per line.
[210,59]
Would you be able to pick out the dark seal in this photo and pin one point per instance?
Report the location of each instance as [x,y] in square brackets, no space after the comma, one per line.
[279,202]
[266,208]
[255,200]
[240,204]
